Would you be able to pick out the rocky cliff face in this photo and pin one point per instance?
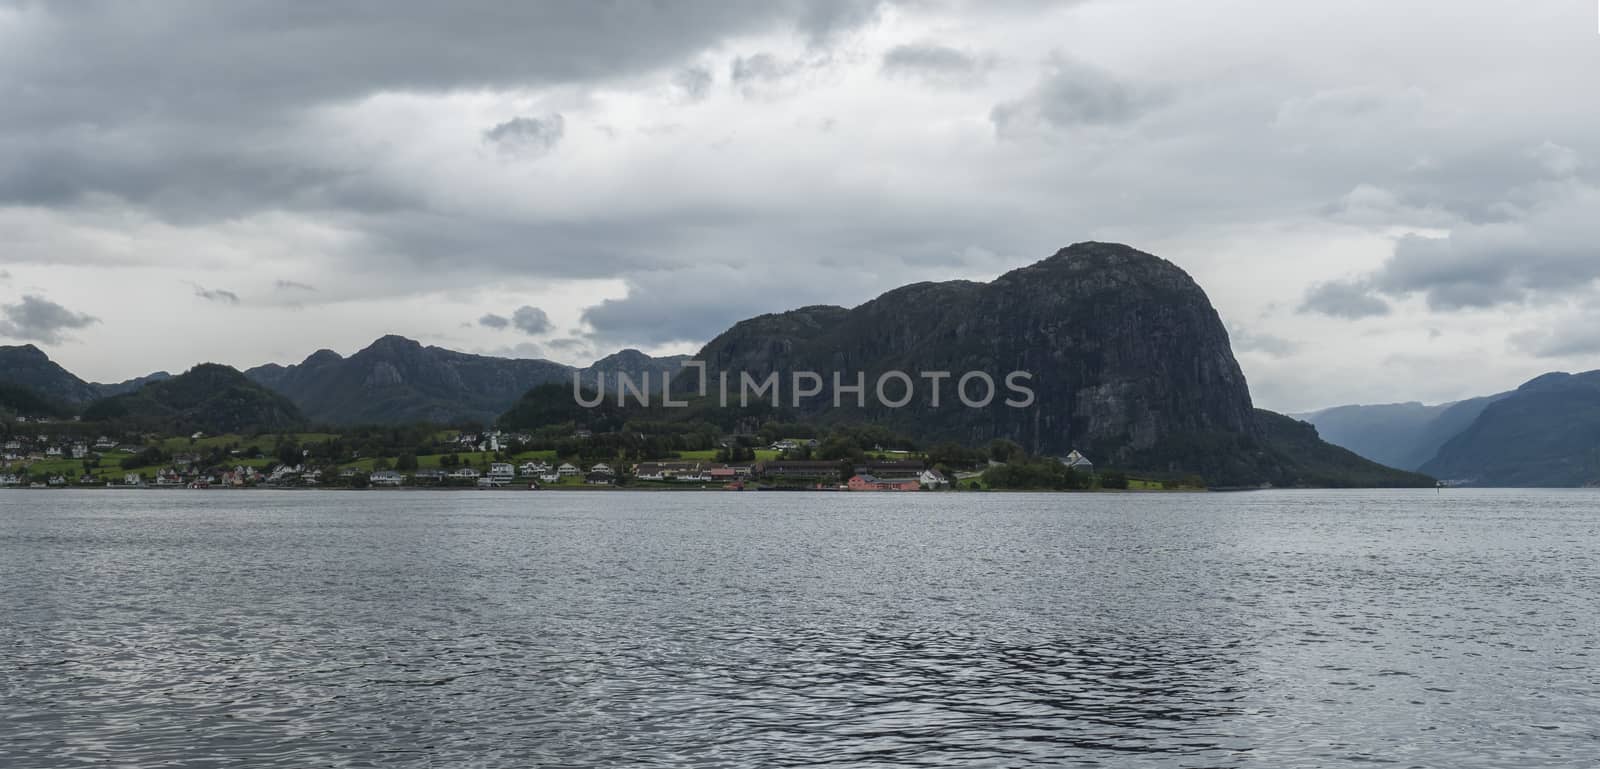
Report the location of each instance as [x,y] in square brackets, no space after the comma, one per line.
[1125,351]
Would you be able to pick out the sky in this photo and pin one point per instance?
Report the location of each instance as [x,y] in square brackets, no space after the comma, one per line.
[1385,201]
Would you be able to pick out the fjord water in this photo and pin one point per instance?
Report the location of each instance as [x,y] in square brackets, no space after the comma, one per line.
[342,629]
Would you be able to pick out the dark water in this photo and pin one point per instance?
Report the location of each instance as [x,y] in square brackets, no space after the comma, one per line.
[1284,629]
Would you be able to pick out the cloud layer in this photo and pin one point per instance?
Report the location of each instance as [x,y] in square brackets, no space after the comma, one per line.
[1366,196]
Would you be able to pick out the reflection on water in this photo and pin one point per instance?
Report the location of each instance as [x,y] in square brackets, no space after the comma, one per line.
[515,629]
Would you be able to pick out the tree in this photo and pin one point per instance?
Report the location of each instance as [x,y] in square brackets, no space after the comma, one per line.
[406,462]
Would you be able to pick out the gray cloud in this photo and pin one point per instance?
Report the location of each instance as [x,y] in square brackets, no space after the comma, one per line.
[5,276]
[218,295]
[491,320]
[695,82]
[1245,340]
[526,134]
[293,285]
[933,63]
[38,319]
[531,320]
[760,67]
[1343,299]
[1071,94]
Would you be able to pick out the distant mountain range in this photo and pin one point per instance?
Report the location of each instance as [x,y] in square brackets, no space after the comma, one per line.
[1544,433]
[1128,361]
[396,380]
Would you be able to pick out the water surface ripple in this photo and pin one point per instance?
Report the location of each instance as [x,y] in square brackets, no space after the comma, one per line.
[417,629]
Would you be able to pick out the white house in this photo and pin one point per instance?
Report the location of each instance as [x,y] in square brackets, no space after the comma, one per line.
[550,476]
[567,469]
[385,478]
[132,479]
[465,474]
[933,479]
[9,480]
[534,468]
[1078,462]
[502,472]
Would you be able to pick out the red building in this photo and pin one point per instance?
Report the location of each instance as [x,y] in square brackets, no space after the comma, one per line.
[872,483]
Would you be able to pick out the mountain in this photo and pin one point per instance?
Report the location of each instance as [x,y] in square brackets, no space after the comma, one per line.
[28,366]
[633,363]
[209,398]
[128,386]
[1129,361]
[1545,433]
[396,380]
[18,400]
[1403,435]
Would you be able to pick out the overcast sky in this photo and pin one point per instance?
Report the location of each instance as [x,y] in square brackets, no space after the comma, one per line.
[1385,200]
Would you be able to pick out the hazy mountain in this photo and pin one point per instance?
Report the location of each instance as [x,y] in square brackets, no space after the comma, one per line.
[209,397]
[1130,364]
[1545,433]
[397,380]
[30,367]
[1403,435]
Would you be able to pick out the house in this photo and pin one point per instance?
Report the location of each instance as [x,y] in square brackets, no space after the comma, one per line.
[502,473]
[311,477]
[385,478]
[9,480]
[567,469]
[1078,462]
[104,443]
[53,452]
[550,476]
[599,479]
[429,477]
[807,470]
[673,471]
[601,467]
[933,479]
[132,479]
[78,451]
[874,483]
[465,474]
[530,469]
[891,468]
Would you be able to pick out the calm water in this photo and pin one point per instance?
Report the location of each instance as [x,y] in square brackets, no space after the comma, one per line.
[328,629]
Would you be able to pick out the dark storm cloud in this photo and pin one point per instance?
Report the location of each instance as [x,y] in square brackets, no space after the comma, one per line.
[933,63]
[531,320]
[527,133]
[152,102]
[491,320]
[218,295]
[37,319]
[1072,93]
[1343,299]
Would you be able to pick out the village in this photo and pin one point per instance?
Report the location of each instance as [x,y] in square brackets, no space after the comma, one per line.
[484,460]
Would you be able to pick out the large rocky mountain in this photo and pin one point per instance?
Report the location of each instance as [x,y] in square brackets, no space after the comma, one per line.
[1130,364]
[209,397]
[397,380]
[1403,435]
[30,367]
[1545,433]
